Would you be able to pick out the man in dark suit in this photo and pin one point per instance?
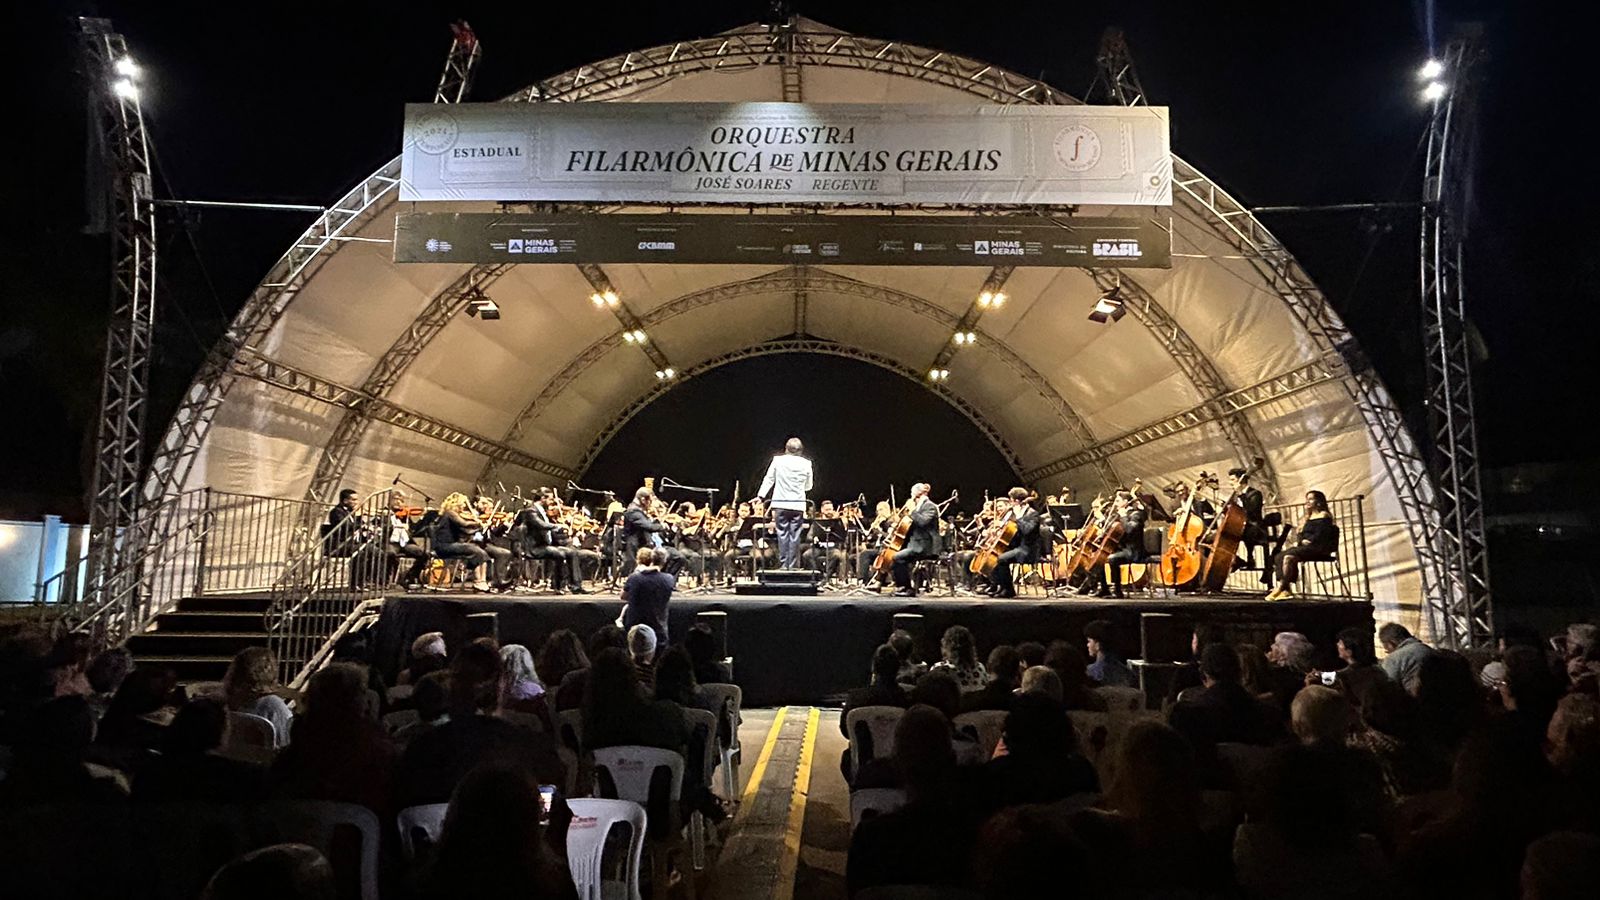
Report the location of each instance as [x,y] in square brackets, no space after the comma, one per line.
[538,543]
[639,529]
[1249,497]
[1130,549]
[1024,547]
[921,541]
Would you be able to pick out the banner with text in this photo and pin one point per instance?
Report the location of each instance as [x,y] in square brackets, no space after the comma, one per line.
[862,240]
[787,153]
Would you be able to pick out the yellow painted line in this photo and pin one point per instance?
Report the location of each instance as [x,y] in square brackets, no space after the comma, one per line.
[789,864]
[760,769]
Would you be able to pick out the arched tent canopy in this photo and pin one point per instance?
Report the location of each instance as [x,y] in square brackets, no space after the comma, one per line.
[1229,355]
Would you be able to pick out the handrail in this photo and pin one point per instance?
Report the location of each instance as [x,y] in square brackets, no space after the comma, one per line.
[1352,580]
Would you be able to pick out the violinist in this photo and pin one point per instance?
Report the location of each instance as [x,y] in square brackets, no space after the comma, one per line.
[1024,546]
[826,551]
[1316,541]
[690,540]
[872,536]
[766,552]
[398,542]
[921,541]
[452,537]
[539,541]
[1131,513]
[641,529]
[493,537]
[742,546]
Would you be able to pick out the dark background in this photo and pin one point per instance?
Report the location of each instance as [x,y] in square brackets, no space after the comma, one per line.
[1280,103]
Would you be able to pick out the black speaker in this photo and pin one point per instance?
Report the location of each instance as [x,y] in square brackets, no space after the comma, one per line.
[717,621]
[484,624]
[912,624]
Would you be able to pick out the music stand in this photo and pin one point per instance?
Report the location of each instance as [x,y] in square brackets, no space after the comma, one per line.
[833,532]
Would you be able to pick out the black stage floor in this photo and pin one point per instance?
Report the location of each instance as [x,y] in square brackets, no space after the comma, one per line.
[809,650]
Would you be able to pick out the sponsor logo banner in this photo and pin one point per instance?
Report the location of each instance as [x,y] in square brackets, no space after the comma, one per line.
[705,238]
[787,153]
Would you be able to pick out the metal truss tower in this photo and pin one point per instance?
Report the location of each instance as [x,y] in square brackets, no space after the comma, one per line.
[1461,611]
[124,392]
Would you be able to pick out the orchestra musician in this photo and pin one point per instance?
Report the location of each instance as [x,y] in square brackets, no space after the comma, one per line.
[1316,541]
[1025,546]
[1248,497]
[921,541]
[766,552]
[788,479]
[738,547]
[640,529]
[1126,508]
[872,537]
[452,537]
[826,553]
[493,537]
[398,542]
[690,541]
[540,541]
[1201,507]
[342,521]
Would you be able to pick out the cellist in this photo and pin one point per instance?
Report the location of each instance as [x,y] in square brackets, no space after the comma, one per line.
[1024,546]
[1130,549]
[921,541]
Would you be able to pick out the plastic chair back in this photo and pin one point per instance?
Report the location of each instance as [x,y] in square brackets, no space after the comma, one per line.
[703,722]
[420,825]
[592,821]
[871,802]
[318,822]
[988,725]
[649,776]
[730,699]
[877,723]
[248,736]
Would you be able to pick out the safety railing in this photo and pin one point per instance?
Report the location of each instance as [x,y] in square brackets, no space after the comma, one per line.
[1345,577]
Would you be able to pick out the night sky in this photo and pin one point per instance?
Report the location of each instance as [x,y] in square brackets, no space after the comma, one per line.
[1280,103]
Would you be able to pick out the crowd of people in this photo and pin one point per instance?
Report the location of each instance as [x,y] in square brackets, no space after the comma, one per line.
[1428,773]
[474,726]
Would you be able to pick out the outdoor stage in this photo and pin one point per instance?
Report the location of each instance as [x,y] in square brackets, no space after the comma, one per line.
[808,650]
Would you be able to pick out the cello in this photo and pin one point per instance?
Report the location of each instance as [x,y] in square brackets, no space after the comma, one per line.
[1074,557]
[1181,561]
[996,540]
[899,531]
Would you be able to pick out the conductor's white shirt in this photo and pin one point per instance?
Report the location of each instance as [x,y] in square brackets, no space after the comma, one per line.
[788,478]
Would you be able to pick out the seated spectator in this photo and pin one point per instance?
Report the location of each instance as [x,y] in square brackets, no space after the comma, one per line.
[959,657]
[106,673]
[939,690]
[1403,655]
[278,872]
[251,686]
[1005,675]
[701,642]
[560,655]
[25,682]
[1042,761]
[884,690]
[135,722]
[337,750]
[1148,829]
[427,655]
[431,699]
[1253,671]
[675,681]
[910,667]
[189,769]
[521,685]
[1449,698]
[1320,718]
[435,761]
[1289,662]
[1573,748]
[491,845]
[1043,681]
[1106,667]
[1500,801]
[69,664]
[1392,734]
[1581,639]
[1529,691]
[570,694]
[924,842]
[50,758]
[1360,665]
[1032,654]
[642,650]
[355,649]
[1187,675]
[1561,866]
[1307,842]
[1224,712]
[1071,664]
[1030,851]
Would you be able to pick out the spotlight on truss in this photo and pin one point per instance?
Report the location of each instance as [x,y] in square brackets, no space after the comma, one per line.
[938,374]
[1109,308]
[1434,91]
[1430,70]
[125,89]
[483,308]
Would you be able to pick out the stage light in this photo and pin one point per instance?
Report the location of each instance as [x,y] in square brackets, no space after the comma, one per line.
[628,336]
[636,336]
[126,67]
[597,300]
[125,89]
[938,374]
[610,297]
[1109,308]
[965,337]
[985,298]
[482,307]
[1430,70]
[1434,91]
[661,374]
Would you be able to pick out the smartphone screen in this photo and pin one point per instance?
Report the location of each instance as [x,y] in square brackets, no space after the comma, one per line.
[547,798]
[1328,678]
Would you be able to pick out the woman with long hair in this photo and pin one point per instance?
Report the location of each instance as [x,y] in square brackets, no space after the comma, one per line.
[453,537]
[251,686]
[1317,540]
[490,846]
[960,659]
[560,654]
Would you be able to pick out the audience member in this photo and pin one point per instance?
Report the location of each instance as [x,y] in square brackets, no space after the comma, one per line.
[1449,698]
[1403,655]
[1289,660]
[278,872]
[1005,674]
[1321,718]
[642,650]
[1042,762]
[882,690]
[431,699]
[520,686]
[1391,732]
[106,673]
[1071,664]
[251,686]
[189,768]
[910,667]
[69,664]
[1106,666]
[50,759]
[436,760]
[560,655]
[131,730]
[1573,748]
[337,750]
[573,686]
[1253,671]
[1529,691]
[1187,676]
[646,594]
[1224,712]
[1031,851]
[959,657]
[1360,664]
[1032,654]
[491,846]
[427,655]
[1043,681]
[939,690]
[1561,866]
[709,668]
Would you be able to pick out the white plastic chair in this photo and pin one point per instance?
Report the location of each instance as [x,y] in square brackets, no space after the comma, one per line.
[874,801]
[315,822]
[989,725]
[730,699]
[880,722]
[1121,699]
[592,821]
[630,770]
[248,736]
[702,719]
[426,821]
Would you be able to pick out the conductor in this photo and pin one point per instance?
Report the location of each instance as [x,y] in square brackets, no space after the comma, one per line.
[787,480]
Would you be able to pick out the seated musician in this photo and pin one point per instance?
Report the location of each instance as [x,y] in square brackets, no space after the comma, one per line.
[766,548]
[342,521]
[640,529]
[741,543]
[690,541]
[452,537]
[494,538]
[1317,541]
[921,541]
[541,540]
[825,547]
[1129,550]
[398,542]
[986,516]
[1024,546]
[1200,507]
[1249,498]
[872,535]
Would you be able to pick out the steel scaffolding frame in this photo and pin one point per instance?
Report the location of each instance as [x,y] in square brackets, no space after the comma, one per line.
[1464,615]
[125,379]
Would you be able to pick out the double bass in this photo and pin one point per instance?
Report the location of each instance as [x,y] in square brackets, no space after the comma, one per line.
[1222,548]
[1181,561]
